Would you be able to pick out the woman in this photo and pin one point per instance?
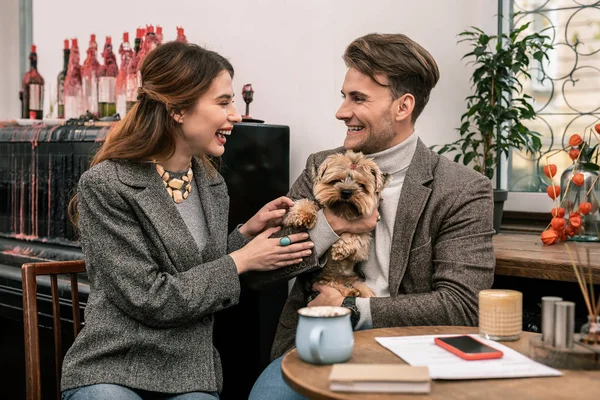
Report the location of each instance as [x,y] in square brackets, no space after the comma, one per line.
[153,224]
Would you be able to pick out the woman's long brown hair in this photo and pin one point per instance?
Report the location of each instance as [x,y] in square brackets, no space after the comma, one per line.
[174,76]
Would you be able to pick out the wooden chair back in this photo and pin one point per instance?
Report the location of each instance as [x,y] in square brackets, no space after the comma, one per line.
[30,318]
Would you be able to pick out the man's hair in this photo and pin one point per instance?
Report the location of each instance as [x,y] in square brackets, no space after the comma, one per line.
[408,67]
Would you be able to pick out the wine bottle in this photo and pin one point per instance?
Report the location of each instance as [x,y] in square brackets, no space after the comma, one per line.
[147,45]
[73,89]
[60,81]
[150,39]
[159,35]
[132,71]
[107,83]
[126,55]
[89,77]
[181,35]
[32,90]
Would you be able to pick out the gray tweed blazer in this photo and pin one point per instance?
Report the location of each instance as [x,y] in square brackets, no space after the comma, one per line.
[149,317]
[441,255]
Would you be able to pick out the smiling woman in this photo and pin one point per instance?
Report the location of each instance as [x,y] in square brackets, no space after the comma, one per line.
[153,223]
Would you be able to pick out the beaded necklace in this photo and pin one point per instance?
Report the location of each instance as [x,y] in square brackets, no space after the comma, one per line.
[179,188]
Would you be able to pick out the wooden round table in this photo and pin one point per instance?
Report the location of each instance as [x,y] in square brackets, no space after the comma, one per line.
[312,380]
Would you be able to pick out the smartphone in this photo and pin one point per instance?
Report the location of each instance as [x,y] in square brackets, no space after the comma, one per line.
[467,347]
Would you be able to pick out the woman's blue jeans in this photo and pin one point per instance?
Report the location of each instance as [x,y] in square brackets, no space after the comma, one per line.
[116,392]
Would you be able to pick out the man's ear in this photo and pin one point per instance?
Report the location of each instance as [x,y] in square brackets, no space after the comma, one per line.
[404,106]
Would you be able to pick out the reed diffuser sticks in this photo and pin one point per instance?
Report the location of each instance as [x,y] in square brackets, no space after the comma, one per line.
[593,309]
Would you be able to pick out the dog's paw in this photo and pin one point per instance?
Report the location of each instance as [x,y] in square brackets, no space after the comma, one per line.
[366,293]
[302,215]
[363,290]
[344,290]
[352,293]
[340,252]
[345,248]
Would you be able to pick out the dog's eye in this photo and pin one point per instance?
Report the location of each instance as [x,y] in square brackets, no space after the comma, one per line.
[363,187]
[334,182]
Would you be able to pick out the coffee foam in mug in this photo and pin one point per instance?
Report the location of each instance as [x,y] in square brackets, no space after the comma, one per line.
[323,311]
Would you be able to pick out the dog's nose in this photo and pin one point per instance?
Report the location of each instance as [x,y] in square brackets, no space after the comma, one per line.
[346,193]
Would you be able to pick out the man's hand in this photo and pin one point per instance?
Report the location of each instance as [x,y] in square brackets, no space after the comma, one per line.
[361,225]
[328,296]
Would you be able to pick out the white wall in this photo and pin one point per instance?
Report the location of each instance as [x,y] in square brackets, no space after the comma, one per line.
[10,106]
[289,50]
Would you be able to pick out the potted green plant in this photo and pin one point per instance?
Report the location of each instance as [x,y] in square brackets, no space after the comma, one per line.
[493,123]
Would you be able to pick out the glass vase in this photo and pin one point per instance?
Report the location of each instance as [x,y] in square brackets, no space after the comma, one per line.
[570,199]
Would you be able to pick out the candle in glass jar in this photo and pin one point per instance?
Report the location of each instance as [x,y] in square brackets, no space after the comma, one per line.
[500,314]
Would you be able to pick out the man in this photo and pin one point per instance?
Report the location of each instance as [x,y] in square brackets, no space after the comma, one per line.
[432,251]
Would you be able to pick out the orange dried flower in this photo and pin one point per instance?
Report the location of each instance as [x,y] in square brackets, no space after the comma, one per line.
[575,140]
[573,153]
[558,212]
[585,207]
[578,179]
[553,191]
[550,170]
[558,223]
[597,128]
[571,230]
[564,236]
[575,219]
[549,237]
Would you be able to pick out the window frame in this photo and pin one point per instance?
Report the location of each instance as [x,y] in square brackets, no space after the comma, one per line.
[531,202]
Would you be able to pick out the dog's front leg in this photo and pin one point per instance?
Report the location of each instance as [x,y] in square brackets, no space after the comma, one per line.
[302,215]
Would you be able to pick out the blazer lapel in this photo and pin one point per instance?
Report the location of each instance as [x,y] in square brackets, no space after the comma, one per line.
[160,209]
[413,198]
[215,203]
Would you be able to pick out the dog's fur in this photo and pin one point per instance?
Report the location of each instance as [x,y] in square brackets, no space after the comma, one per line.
[349,185]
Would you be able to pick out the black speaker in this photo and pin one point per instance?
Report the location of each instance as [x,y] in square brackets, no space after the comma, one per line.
[256,167]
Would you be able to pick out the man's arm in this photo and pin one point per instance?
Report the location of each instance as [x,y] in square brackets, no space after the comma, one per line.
[463,259]
[322,235]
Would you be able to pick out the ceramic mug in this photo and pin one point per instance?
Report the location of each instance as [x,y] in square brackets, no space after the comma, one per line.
[324,335]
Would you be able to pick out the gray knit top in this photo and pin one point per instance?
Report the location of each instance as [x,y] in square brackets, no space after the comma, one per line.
[193,215]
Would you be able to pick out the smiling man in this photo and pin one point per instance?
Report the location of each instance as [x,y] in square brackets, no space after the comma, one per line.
[432,251]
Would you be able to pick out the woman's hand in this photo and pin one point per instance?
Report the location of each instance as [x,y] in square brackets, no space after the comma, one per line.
[270,215]
[265,254]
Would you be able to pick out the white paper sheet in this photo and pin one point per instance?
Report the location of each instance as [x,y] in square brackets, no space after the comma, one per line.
[421,350]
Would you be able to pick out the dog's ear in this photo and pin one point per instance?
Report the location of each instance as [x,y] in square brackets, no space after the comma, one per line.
[386,180]
[382,180]
[317,173]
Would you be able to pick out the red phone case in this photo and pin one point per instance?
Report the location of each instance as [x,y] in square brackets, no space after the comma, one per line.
[469,356]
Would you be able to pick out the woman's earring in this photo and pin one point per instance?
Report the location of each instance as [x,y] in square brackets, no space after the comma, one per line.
[177,116]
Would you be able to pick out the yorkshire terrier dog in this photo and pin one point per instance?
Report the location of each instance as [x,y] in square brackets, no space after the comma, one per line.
[349,185]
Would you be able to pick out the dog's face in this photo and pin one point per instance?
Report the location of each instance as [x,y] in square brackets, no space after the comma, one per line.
[349,184]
